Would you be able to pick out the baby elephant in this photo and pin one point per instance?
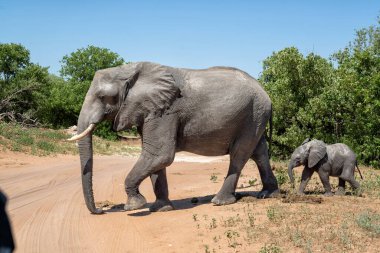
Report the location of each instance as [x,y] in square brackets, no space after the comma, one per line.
[336,160]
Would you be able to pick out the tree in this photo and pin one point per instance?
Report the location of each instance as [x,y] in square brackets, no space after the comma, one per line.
[291,81]
[81,65]
[311,98]
[358,72]
[13,57]
[78,69]
[59,106]
[20,81]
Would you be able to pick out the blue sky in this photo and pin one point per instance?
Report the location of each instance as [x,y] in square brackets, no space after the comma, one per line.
[192,34]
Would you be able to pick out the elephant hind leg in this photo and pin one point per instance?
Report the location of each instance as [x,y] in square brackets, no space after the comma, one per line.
[261,157]
[354,184]
[240,151]
[341,187]
[348,174]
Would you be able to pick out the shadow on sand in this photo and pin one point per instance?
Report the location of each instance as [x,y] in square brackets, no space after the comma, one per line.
[179,204]
[188,203]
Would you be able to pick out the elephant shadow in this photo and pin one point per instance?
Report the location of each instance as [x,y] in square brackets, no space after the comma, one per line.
[178,204]
[188,203]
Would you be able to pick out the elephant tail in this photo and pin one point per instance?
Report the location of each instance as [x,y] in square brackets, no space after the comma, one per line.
[356,164]
[270,132]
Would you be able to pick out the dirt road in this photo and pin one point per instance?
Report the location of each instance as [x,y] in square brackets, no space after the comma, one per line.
[48,213]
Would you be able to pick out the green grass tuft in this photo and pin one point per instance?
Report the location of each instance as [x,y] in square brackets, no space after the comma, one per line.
[369,221]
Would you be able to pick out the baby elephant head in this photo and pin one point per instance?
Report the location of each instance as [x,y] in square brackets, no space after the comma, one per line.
[308,154]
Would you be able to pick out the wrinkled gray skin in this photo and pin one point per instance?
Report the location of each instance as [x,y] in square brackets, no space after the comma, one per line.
[215,111]
[336,160]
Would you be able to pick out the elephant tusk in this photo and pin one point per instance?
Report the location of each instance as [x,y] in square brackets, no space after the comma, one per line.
[77,137]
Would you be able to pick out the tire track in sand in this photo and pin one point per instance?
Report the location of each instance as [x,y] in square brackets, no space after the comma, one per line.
[48,213]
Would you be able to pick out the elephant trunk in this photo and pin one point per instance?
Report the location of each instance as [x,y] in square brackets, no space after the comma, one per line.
[86,160]
[290,173]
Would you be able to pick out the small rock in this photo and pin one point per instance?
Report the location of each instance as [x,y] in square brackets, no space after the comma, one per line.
[72,130]
[194,200]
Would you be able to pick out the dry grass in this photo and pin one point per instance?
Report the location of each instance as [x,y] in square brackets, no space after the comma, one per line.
[292,223]
[289,223]
[39,141]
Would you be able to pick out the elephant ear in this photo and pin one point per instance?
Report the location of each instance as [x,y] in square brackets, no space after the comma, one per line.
[150,93]
[316,153]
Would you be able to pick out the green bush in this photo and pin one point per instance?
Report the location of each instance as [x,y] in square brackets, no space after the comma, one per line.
[336,100]
[281,176]
[104,130]
[370,221]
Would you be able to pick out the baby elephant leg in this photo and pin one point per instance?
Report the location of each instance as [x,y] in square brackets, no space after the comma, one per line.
[306,175]
[355,186]
[324,176]
[341,187]
[348,175]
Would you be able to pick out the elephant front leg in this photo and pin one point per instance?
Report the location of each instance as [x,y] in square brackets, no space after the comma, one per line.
[160,187]
[307,173]
[324,176]
[138,173]
[158,150]
[146,165]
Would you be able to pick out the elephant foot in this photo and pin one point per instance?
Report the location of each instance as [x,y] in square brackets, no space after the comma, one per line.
[263,194]
[225,199]
[161,206]
[340,192]
[328,194]
[358,192]
[135,202]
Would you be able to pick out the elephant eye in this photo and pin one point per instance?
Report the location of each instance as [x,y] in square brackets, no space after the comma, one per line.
[112,100]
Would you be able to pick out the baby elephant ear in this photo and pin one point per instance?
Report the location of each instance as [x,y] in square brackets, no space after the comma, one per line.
[316,153]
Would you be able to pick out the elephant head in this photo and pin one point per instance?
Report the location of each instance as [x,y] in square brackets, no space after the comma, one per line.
[308,154]
[128,95]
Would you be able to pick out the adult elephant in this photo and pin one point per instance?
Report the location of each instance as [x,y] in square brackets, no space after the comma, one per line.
[215,111]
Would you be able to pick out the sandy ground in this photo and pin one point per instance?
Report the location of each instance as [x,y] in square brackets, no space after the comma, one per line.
[48,213]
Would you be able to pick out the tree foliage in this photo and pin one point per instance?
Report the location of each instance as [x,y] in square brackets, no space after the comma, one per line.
[61,106]
[78,69]
[21,81]
[335,100]
[30,95]
[291,81]
[81,65]
[13,58]
[312,98]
